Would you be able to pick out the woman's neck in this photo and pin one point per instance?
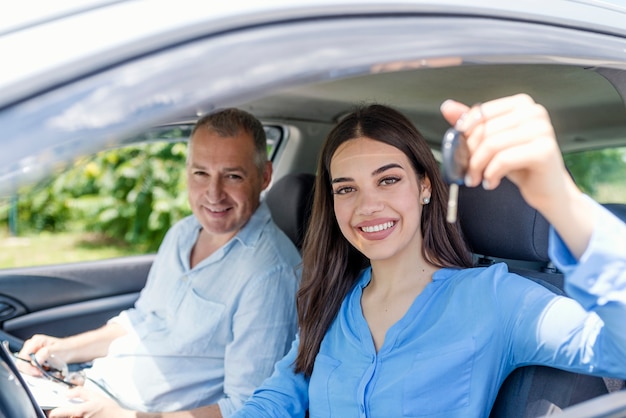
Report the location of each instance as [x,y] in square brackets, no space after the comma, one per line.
[407,268]
[394,274]
[394,287]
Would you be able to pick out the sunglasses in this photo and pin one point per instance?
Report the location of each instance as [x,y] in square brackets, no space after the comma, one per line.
[51,372]
[54,372]
[57,371]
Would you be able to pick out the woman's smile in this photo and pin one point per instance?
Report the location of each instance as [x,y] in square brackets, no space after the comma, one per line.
[376,230]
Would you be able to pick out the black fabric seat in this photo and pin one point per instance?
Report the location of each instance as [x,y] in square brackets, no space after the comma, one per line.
[500,226]
[289,201]
[618,209]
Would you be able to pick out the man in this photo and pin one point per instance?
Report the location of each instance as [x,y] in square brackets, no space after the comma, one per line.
[218,309]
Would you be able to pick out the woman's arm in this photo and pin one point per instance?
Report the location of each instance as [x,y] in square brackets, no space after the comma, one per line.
[513,137]
[284,394]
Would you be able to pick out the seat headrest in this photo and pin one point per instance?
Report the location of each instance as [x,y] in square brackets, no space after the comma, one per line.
[499,223]
[289,201]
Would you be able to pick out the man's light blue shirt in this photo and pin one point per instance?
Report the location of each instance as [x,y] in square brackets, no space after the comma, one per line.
[462,336]
[208,334]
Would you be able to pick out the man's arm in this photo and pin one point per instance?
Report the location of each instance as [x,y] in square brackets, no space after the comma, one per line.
[91,344]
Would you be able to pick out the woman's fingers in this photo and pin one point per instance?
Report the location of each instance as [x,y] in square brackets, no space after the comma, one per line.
[453,110]
[486,162]
[505,137]
[525,166]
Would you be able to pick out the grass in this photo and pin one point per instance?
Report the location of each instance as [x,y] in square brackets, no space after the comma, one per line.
[46,248]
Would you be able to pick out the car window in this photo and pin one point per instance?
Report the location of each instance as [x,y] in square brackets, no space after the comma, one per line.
[601,173]
[118,202]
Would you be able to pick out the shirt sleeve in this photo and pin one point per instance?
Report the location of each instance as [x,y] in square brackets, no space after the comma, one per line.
[584,332]
[128,318]
[598,280]
[283,395]
[264,326]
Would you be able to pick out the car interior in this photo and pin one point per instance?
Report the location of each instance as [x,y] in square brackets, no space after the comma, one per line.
[498,225]
[585,99]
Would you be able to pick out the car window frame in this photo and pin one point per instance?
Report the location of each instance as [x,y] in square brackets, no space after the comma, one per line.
[134,96]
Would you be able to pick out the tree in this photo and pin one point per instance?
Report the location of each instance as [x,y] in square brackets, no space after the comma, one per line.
[132,194]
[591,169]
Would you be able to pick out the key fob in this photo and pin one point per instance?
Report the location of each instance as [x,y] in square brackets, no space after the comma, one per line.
[455,156]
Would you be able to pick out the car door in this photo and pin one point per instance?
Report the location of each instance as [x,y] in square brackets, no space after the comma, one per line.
[65,299]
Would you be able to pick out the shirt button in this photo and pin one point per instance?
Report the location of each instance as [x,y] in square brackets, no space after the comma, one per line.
[184,279]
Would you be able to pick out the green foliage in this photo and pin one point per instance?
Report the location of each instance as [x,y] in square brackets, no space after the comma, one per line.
[132,194]
[593,169]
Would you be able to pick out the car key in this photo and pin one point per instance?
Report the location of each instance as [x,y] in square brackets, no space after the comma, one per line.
[455,155]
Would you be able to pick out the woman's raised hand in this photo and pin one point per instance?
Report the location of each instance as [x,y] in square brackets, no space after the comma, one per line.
[513,137]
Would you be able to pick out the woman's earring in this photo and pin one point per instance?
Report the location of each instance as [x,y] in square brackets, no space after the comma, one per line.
[426,200]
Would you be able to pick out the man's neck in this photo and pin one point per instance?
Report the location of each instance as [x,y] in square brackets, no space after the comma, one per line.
[205,245]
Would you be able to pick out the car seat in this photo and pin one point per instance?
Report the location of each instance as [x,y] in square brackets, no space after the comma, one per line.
[618,209]
[289,201]
[500,226]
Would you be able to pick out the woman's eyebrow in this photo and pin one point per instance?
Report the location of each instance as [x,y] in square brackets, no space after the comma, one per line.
[374,173]
[385,168]
[340,180]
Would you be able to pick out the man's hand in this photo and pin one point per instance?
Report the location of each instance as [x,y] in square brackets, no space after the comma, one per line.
[75,349]
[42,346]
[94,405]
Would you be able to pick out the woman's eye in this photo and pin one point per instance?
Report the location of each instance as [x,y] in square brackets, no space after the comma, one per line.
[389,180]
[343,190]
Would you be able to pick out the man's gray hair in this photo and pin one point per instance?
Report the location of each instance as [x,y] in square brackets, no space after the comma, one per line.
[230,122]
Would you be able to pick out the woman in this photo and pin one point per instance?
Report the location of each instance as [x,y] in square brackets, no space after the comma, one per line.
[418,332]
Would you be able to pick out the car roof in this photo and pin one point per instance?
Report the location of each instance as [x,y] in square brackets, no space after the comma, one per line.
[78,35]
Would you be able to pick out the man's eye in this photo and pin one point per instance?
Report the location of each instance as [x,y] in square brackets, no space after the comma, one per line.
[234,177]
[389,180]
[200,173]
[343,190]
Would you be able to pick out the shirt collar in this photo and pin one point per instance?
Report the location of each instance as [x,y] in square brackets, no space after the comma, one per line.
[365,277]
[250,233]
[248,236]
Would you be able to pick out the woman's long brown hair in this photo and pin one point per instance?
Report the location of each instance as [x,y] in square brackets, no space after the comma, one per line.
[331,265]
